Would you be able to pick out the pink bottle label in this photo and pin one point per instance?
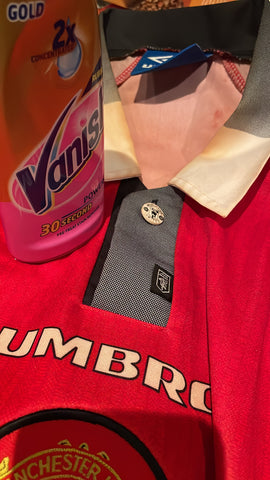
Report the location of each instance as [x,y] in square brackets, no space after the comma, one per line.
[60,185]
[64,162]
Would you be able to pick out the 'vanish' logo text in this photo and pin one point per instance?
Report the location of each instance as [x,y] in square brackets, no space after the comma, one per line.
[55,171]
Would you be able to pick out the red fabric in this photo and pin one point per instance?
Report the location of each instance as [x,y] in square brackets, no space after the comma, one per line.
[218,334]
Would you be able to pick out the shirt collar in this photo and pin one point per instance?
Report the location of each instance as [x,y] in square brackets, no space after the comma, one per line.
[222,174]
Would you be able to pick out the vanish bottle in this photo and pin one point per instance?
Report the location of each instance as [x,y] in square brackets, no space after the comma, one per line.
[51,126]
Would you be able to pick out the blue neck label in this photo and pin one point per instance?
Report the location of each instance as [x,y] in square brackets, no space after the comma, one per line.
[161,60]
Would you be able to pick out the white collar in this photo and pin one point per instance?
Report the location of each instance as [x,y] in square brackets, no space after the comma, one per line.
[222,174]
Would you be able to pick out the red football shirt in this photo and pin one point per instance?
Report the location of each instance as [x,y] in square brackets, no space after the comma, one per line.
[88,393]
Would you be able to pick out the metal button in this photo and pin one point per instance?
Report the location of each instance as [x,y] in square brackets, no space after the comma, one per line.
[152,213]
